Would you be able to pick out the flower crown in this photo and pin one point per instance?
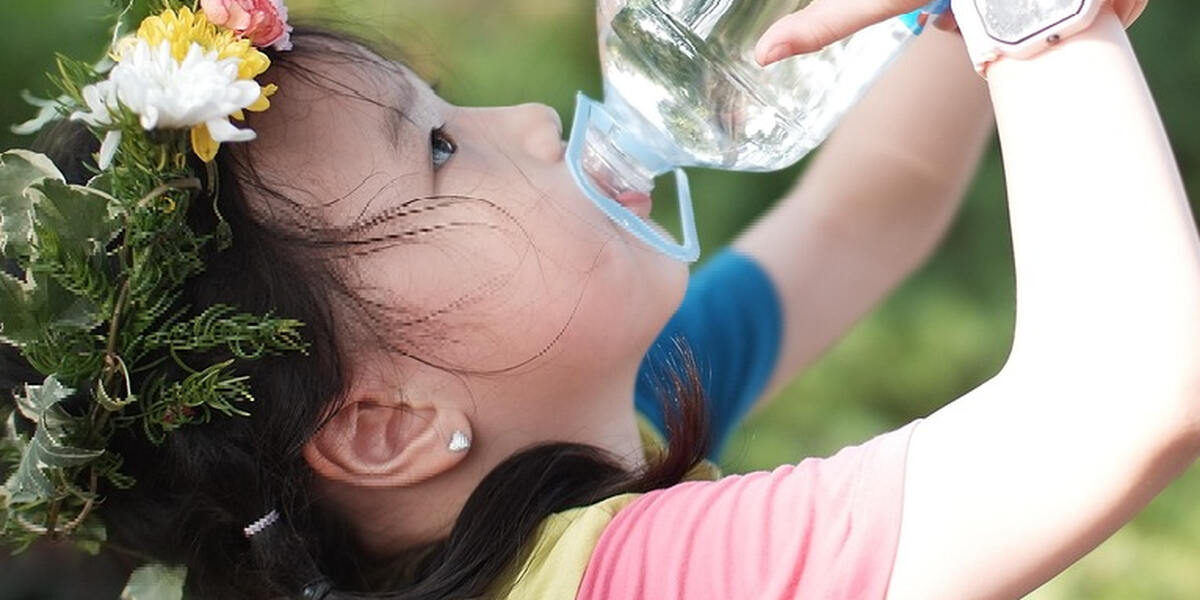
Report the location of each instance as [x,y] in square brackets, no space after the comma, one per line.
[101,266]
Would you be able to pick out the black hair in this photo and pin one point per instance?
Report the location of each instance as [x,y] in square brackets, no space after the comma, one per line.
[199,488]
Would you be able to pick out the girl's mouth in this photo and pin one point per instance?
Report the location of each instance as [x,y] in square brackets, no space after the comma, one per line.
[638,203]
[635,201]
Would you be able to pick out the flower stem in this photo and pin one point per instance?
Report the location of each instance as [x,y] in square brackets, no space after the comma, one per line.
[190,183]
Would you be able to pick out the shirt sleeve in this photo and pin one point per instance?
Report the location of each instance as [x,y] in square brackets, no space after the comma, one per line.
[825,528]
[731,321]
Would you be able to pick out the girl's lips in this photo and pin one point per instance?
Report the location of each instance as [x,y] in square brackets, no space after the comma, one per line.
[638,203]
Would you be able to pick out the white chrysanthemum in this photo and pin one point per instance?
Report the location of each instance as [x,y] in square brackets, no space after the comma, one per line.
[101,99]
[170,94]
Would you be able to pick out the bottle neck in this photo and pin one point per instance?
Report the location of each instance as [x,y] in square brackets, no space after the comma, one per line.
[613,169]
[618,148]
[608,160]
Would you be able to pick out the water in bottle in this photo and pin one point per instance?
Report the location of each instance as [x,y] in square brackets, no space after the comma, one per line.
[682,88]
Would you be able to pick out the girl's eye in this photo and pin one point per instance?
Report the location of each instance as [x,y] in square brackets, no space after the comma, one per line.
[441,147]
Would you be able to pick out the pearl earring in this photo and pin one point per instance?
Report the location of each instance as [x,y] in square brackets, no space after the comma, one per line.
[459,442]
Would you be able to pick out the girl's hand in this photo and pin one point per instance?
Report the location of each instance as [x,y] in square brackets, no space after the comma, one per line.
[826,21]
[823,22]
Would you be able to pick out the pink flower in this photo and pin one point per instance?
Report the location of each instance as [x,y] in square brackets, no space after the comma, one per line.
[263,22]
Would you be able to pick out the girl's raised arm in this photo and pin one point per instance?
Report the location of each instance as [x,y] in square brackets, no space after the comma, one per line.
[1098,407]
[875,201]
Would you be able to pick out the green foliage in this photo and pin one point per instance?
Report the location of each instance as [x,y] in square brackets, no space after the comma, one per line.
[70,78]
[102,268]
[194,399]
[245,336]
[91,300]
[36,306]
[155,582]
[74,227]
[19,170]
[48,448]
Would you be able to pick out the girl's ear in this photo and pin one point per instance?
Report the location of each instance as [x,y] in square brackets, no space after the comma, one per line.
[385,441]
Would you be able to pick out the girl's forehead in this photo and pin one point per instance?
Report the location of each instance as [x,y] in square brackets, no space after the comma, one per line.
[387,102]
[413,103]
[374,88]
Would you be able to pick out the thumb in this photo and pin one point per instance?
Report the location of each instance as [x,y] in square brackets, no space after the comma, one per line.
[1129,10]
[824,22]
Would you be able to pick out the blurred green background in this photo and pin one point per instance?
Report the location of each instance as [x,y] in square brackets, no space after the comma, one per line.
[942,333]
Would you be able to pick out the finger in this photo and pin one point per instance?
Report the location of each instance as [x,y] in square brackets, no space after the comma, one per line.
[607,9]
[824,22]
[946,22]
[1129,10]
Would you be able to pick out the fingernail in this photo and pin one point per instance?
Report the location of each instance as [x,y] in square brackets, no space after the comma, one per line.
[775,54]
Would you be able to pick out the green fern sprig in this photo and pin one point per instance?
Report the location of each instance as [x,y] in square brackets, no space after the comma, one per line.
[246,336]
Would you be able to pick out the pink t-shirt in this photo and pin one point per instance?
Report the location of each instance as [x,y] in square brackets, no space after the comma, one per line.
[825,528]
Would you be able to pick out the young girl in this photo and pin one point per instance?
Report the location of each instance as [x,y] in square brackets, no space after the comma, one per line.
[464,424]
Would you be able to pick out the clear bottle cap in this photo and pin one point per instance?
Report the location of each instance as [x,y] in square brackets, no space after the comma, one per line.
[600,146]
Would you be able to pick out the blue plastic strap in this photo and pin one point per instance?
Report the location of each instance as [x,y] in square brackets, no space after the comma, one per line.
[918,19]
[689,251]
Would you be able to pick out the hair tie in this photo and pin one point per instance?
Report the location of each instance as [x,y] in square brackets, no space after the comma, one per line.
[262,523]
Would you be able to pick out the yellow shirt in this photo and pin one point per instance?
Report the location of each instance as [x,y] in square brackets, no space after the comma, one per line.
[564,542]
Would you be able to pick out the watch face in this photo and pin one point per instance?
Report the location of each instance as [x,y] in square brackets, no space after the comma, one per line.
[1014,21]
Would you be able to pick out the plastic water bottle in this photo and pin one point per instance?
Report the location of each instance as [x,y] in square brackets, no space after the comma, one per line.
[682,88]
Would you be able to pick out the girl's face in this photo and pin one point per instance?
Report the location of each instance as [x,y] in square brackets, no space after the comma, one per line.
[464,228]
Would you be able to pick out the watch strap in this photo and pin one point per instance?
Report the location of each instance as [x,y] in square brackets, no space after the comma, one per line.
[995,29]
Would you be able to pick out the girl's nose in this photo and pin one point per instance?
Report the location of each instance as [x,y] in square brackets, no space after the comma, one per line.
[540,115]
[539,128]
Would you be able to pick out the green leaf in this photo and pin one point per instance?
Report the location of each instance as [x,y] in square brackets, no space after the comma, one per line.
[18,318]
[52,453]
[91,534]
[29,307]
[90,547]
[155,582]
[63,230]
[20,169]
[102,183]
[30,483]
[38,399]
[71,218]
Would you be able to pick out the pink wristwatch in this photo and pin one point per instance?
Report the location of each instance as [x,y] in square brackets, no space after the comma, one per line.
[995,29]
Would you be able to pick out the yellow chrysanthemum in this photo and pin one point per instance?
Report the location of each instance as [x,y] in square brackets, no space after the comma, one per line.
[183,29]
